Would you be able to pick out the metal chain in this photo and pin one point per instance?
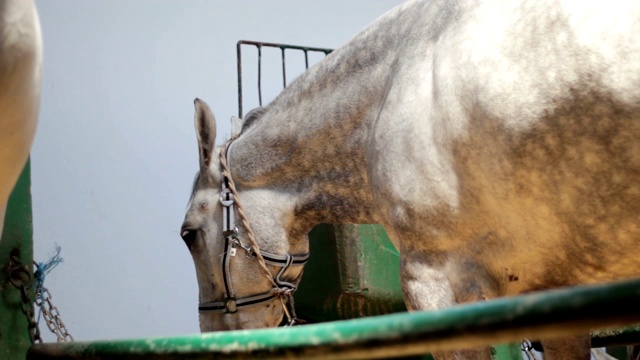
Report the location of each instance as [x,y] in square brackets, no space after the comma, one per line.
[27,309]
[20,277]
[52,315]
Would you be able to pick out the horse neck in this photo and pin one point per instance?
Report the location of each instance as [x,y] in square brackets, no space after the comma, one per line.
[311,140]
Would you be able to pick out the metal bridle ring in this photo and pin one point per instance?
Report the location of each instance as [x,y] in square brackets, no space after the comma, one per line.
[230,309]
[17,281]
[223,200]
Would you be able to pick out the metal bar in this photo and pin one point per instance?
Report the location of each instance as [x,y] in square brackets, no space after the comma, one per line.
[259,45]
[259,74]
[540,315]
[306,59]
[284,69]
[286,46]
[239,61]
[616,337]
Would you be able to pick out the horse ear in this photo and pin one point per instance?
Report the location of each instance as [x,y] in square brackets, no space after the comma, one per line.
[205,124]
[236,126]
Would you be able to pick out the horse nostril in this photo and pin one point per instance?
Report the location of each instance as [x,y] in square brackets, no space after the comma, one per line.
[188,236]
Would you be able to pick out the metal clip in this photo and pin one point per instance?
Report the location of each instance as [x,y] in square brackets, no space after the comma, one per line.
[250,254]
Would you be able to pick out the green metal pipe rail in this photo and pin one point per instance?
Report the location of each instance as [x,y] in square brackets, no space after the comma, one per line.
[549,314]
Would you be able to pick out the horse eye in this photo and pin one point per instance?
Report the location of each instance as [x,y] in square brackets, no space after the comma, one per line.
[189,237]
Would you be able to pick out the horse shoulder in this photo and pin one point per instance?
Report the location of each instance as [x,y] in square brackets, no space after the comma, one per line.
[490,139]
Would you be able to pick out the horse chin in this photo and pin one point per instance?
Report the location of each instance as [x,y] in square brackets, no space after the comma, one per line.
[238,321]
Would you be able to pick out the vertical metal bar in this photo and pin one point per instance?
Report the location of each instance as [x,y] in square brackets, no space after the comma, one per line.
[284,69]
[259,74]
[306,59]
[17,236]
[239,60]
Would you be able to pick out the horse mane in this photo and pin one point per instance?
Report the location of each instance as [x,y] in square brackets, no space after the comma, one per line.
[251,117]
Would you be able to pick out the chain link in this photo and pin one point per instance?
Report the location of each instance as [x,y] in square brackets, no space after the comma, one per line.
[51,315]
[27,309]
[20,277]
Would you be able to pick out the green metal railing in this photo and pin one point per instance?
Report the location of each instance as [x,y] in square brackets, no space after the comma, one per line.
[549,314]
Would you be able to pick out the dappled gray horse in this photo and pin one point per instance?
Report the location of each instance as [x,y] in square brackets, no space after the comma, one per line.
[498,142]
[20,66]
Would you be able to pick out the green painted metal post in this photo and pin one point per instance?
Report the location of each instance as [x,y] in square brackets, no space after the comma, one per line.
[353,272]
[17,236]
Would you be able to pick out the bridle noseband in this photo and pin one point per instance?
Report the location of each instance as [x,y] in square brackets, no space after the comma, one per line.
[282,289]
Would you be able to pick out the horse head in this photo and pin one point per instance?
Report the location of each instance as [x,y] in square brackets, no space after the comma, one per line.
[246,279]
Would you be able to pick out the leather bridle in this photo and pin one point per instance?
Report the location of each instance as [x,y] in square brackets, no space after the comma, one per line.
[283,289]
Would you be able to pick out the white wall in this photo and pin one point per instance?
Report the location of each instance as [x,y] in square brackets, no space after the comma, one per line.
[115,152]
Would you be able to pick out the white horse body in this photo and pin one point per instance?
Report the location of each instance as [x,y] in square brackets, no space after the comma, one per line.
[498,142]
[20,79]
